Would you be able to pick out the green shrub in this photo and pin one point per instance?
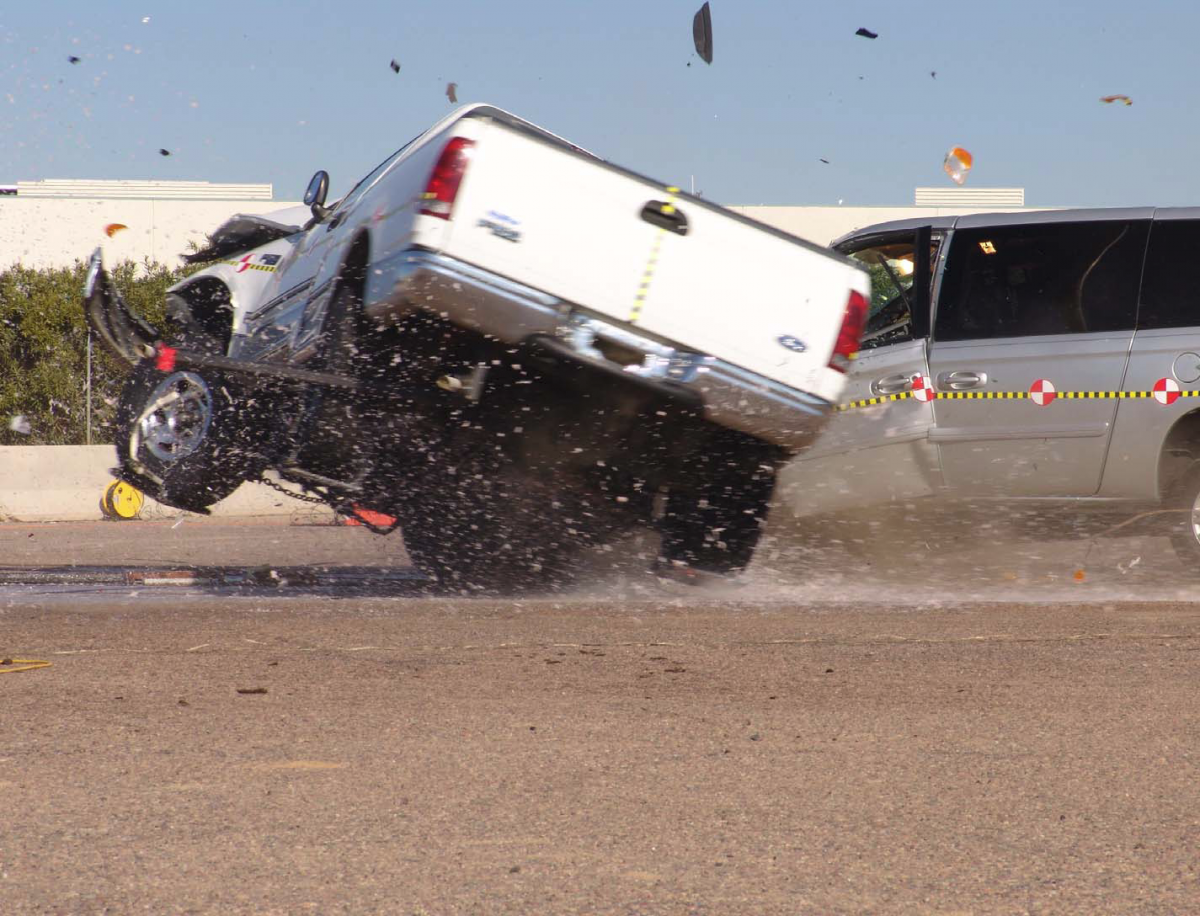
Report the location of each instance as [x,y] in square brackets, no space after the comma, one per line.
[43,350]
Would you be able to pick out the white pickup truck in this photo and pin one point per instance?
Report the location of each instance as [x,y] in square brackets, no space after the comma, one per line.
[516,350]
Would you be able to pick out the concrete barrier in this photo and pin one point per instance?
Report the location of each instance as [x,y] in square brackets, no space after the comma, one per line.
[65,483]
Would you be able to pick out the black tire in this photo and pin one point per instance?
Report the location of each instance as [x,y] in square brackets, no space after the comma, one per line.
[482,524]
[715,524]
[180,438]
[1184,523]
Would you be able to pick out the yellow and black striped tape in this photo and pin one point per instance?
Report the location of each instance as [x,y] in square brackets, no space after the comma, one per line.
[1010,395]
[981,395]
[639,300]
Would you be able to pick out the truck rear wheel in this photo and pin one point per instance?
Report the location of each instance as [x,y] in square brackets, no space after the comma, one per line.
[482,524]
[715,523]
[180,438]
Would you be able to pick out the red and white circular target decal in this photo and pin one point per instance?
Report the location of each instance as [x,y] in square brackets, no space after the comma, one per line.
[1042,392]
[1166,391]
[922,388]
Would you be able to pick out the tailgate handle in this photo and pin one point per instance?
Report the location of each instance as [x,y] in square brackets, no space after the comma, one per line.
[665,216]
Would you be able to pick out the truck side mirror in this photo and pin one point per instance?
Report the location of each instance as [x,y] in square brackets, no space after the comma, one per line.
[314,197]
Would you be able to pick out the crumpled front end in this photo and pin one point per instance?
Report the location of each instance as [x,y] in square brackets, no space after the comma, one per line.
[122,331]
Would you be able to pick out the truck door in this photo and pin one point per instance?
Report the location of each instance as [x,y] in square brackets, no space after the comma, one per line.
[875,448]
[1033,319]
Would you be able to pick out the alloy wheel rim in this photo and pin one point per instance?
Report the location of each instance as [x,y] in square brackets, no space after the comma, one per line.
[178,417]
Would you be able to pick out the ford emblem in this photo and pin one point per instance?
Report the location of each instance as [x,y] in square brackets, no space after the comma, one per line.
[795,344]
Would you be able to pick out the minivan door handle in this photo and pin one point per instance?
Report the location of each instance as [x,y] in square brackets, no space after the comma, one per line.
[666,216]
[891,384]
[961,380]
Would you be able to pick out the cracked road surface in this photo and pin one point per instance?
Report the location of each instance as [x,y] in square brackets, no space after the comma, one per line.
[202,752]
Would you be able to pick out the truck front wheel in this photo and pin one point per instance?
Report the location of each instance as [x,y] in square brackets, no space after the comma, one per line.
[180,437]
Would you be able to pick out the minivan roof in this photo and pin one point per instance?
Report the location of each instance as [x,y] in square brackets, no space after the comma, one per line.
[1028,217]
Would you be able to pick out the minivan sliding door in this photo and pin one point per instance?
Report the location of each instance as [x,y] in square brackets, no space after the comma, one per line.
[1031,336]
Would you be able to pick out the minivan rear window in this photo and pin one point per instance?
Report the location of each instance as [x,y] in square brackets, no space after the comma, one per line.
[1170,291]
[1035,279]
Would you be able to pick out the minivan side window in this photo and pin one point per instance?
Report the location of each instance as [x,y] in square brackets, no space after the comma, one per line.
[1041,278]
[1170,293]
[891,262]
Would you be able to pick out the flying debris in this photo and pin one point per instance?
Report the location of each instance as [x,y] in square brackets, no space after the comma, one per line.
[452,93]
[867,33]
[19,424]
[826,161]
[1109,99]
[73,59]
[702,33]
[164,152]
[957,164]
[113,228]
[395,66]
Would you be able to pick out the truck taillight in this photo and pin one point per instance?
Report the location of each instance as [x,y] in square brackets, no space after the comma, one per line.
[442,188]
[853,322]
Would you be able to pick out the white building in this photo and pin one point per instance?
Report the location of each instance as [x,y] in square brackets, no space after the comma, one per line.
[824,224]
[56,222]
[52,223]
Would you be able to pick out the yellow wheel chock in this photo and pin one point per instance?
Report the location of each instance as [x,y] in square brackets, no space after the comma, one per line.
[121,501]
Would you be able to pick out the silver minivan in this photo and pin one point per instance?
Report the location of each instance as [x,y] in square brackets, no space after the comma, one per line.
[1022,360]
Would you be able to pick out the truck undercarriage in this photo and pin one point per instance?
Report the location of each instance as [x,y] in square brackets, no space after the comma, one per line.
[501,463]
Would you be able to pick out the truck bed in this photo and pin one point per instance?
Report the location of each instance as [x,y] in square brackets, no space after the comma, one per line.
[649,256]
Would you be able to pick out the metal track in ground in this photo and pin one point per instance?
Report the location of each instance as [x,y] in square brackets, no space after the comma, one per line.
[279,577]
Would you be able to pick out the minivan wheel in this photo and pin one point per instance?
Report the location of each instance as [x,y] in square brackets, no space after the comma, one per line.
[1185,522]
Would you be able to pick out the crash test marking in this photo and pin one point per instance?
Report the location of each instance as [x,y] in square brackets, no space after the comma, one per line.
[247,263]
[1166,391]
[922,388]
[1042,392]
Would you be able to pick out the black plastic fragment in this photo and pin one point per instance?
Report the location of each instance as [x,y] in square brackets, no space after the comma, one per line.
[702,33]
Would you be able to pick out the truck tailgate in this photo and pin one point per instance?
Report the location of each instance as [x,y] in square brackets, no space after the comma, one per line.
[577,228]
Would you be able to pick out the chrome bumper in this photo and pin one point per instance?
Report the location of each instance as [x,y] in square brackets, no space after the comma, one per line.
[514,314]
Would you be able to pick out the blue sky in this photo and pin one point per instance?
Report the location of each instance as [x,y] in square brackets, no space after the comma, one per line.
[271,91]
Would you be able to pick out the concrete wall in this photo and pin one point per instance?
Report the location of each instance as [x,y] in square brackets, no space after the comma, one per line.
[41,232]
[66,483]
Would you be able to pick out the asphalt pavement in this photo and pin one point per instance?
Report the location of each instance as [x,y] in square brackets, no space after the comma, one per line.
[852,740]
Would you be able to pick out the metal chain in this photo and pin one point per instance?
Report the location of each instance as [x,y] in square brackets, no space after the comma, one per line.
[304,498]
